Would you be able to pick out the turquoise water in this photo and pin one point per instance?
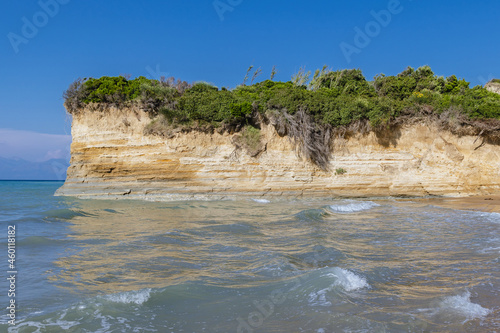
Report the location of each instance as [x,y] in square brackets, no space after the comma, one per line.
[323,265]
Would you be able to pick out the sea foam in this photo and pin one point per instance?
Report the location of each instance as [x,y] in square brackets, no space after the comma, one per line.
[352,206]
[459,306]
[137,296]
[462,305]
[263,201]
[348,280]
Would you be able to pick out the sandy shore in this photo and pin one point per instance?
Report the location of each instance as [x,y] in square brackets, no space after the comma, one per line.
[489,203]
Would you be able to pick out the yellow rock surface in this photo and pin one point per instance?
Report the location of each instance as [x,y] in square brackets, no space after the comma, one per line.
[111,157]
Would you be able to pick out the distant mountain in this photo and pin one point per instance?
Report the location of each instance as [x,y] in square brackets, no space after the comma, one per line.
[19,169]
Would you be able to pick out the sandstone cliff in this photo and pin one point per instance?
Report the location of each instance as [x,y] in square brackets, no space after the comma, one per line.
[493,86]
[111,157]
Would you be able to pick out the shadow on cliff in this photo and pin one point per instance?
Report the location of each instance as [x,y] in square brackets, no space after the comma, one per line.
[388,136]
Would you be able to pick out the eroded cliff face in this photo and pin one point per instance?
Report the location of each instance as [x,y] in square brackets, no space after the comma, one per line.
[493,87]
[111,157]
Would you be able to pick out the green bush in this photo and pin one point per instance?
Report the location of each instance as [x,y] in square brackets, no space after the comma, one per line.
[403,85]
[340,171]
[334,98]
[202,87]
[154,96]
[241,110]
[383,110]
[480,103]
[455,86]
[113,90]
[204,103]
[347,81]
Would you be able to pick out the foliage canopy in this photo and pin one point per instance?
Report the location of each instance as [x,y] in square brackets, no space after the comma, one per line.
[335,98]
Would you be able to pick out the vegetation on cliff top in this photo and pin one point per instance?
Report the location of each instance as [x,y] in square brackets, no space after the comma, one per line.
[309,111]
[331,97]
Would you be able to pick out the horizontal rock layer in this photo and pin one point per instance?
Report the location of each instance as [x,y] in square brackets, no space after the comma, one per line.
[111,157]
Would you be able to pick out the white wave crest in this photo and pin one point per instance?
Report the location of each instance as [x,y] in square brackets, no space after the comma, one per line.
[352,206]
[264,201]
[348,280]
[138,297]
[344,279]
[462,305]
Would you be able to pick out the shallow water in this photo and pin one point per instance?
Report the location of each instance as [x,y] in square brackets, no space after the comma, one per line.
[258,265]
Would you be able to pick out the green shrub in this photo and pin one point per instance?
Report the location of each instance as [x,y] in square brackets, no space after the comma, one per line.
[286,97]
[113,90]
[340,171]
[204,103]
[106,91]
[347,81]
[202,87]
[480,103]
[154,96]
[250,140]
[383,110]
[403,85]
[334,98]
[455,86]
[241,110]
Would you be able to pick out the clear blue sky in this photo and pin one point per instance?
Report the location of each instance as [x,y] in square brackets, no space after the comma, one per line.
[193,41]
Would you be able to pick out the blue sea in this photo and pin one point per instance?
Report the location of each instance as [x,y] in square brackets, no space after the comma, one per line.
[249,265]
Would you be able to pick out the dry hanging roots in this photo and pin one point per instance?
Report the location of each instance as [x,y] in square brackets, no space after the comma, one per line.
[311,140]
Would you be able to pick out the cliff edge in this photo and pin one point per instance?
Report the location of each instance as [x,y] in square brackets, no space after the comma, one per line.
[111,157]
[493,86]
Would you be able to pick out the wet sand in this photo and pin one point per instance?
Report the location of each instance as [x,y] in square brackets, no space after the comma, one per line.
[490,203]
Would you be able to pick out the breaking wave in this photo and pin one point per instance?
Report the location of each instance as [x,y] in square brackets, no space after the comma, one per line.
[352,206]
[462,305]
[336,278]
[457,307]
[136,296]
